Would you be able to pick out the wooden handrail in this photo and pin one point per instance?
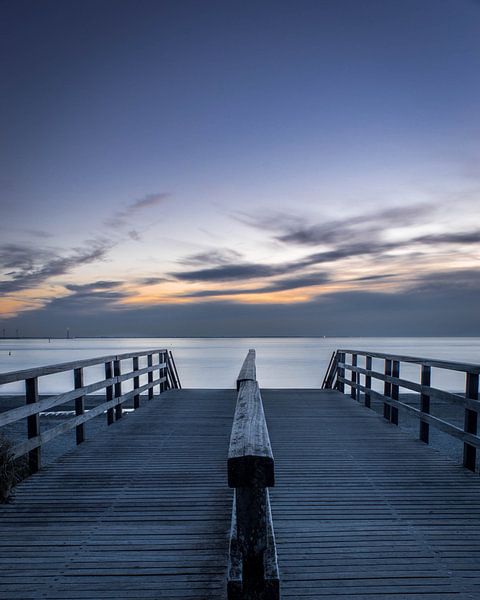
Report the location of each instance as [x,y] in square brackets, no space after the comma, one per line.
[12,376]
[392,382]
[112,383]
[428,362]
[248,372]
[253,567]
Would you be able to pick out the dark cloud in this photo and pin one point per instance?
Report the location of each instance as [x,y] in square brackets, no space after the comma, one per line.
[38,233]
[435,305]
[90,298]
[360,228]
[230,272]
[94,286]
[465,237]
[292,229]
[151,280]
[281,285]
[122,217]
[134,235]
[32,266]
[23,257]
[212,257]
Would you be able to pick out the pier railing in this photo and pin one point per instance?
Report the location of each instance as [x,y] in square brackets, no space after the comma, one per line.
[360,382]
[160,370]
[253,567]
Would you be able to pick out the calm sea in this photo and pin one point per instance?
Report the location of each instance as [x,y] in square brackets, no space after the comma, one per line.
[215,362]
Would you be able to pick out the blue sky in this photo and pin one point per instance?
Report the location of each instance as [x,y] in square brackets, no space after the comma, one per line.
[243,165]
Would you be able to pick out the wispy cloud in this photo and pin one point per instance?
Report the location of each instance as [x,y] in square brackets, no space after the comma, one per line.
[123,217]
[292,229]
[151,280]
[282,285]
[29,267]
[91,298]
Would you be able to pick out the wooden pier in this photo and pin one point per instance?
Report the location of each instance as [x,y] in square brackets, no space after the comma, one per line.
[343,503]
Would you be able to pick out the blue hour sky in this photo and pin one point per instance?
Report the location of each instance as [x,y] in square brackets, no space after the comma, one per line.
[240,168]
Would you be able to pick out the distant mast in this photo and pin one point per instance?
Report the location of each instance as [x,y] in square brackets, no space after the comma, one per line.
[68,333]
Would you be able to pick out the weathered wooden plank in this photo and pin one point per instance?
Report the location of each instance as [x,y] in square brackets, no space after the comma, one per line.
[361,510]
[248,371]
[141,511]
[250,457]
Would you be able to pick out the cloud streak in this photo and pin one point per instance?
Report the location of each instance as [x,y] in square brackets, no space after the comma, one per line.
[282,285]
[32,267]
[123,217]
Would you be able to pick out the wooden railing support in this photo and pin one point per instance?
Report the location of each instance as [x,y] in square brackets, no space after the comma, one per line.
[394,392]
[136,383]
[117,371]
[109,392]
[150,376]
[341,372]
[368,381]
[471,422]
[79,405]
[392,382]
[387,389]
[425,381]
[114,397]
[33,424]
[354,393]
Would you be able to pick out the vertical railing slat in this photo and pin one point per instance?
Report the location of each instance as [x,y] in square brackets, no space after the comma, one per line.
[136,384]
[425,380]
[354,392]
[109,392]
[395,392]
[79,404]
[33,424]
[150,376]
[387,389]
[117,371]
[471,421]
[368,381]
[341,373]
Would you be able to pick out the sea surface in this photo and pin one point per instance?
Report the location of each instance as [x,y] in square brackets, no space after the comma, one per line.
[215,362]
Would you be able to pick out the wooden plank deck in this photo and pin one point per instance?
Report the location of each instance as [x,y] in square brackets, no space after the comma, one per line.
[363,511]
[141,512]
[360,509]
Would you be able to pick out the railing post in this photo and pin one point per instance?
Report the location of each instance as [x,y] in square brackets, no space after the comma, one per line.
[471,418]
[150,376]
[161,358]
[425,403]
[160,385]
[395,392]
[109,392]
[341,373]
[33,424]
[251,505]
[79,404]
[353,388]
[368,381]
[136,384]
[117,371]
[387,389]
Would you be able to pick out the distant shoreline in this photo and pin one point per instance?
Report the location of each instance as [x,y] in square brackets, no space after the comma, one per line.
[236,337]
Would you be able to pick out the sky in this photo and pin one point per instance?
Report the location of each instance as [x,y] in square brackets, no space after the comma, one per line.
[187,168]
